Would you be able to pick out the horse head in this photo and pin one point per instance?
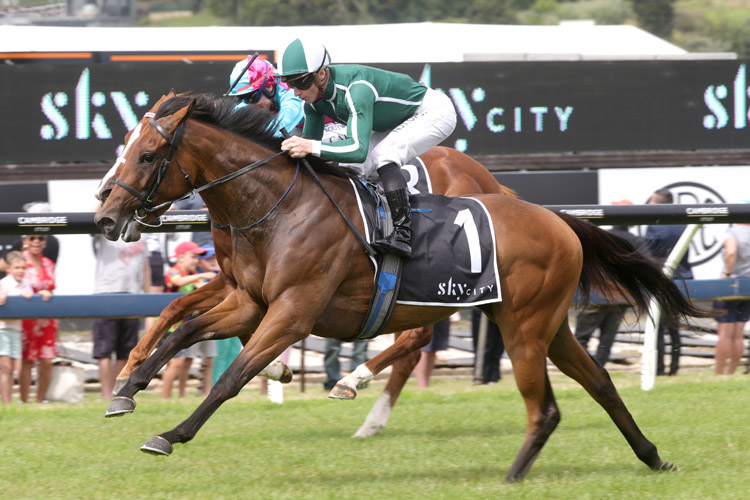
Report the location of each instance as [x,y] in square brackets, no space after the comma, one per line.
[108,181]
[143,182]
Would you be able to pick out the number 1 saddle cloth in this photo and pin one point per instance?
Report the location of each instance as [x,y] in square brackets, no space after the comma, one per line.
[454,261]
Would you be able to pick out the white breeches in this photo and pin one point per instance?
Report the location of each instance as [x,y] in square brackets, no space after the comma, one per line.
[431,124]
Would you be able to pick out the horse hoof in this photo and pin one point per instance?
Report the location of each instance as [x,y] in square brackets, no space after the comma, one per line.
[368,430]
[668,467]
[119,406]
[277,370]
[341,391]
[157,445]
[286,375]
[119,384]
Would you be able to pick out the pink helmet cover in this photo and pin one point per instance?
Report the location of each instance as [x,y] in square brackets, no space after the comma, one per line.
[259,70]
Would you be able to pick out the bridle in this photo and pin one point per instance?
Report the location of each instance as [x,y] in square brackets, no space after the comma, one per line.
[147,199]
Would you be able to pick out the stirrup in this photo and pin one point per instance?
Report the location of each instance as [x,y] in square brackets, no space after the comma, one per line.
[393,244]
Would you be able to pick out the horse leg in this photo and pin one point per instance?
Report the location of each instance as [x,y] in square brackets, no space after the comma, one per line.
[229,319]
[377,418]
[575,362]
[405,344]
[530,370]
[278,330]
[199,300]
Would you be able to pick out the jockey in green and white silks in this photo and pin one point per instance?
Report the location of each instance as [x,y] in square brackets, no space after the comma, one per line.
[390,119]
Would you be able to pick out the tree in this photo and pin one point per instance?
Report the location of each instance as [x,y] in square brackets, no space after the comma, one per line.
[655,16]
[491,12]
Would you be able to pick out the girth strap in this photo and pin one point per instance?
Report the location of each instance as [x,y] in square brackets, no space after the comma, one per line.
[384,297]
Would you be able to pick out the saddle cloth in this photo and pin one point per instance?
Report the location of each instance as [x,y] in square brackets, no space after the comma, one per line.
[453,245]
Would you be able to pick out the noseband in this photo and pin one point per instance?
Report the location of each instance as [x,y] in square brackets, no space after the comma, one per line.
[147,199]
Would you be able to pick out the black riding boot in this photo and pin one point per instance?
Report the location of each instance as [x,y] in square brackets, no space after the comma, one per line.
[397,196]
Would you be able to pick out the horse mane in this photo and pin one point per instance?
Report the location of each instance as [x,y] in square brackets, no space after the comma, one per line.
[249,122]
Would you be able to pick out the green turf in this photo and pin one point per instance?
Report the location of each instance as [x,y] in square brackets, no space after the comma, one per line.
[451,441]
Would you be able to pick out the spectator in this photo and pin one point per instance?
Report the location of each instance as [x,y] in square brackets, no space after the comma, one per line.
[439,342]
[51,249]
[226,352]
[182,277]
[120,268]
[606,317]
[731,326]
[661,240]
[207,264]
[493,350]
[39,335]
[154,243]
[14,284]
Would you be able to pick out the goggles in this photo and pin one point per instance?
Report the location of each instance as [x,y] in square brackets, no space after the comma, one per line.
[254,96]
[303,82]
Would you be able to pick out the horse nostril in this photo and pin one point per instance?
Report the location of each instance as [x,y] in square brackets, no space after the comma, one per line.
[105,224]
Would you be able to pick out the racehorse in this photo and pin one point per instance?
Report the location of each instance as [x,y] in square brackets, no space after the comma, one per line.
[451,173]
[300,270]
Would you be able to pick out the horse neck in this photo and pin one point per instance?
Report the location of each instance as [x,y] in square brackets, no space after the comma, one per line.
[214,154]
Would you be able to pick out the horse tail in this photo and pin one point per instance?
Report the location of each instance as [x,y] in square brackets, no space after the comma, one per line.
[614,268]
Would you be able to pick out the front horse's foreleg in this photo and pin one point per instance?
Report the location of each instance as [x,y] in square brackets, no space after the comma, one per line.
[405,344]
[575,362]
[274,335]
[378,416]
[198,301]
[226,320]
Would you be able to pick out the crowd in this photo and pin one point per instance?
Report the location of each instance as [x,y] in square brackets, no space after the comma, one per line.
[353,128]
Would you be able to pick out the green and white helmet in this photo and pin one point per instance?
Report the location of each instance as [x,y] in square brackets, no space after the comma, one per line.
[301,57]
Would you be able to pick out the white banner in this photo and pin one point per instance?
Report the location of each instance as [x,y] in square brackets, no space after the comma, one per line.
[688,185]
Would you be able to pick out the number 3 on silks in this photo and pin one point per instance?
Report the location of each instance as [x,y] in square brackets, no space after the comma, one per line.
[465,219]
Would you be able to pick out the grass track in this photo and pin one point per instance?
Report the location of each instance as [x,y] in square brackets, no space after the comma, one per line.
[453,441]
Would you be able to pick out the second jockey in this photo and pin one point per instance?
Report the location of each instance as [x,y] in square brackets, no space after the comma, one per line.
[259,86]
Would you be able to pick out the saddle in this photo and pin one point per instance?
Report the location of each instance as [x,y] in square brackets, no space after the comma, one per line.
[454,256]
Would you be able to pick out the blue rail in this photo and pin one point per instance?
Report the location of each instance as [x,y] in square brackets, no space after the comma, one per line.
[152,304]
[115,305]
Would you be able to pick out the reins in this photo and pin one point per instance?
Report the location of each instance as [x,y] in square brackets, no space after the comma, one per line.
[273,208]
[368,248]
[147,199]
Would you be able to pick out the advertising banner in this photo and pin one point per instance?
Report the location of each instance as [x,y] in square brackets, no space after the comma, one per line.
[81,112]
[688,185]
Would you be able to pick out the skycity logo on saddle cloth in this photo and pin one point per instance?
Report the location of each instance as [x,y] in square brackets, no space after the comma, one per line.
[453,245]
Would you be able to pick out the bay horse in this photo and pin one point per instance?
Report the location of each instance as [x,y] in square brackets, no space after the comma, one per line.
[300,270]
[451,173]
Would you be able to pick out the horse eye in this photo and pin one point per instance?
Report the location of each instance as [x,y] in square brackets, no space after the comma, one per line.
[147,157]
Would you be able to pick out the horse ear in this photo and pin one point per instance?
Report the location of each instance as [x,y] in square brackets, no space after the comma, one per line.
[171,93]
[182,114]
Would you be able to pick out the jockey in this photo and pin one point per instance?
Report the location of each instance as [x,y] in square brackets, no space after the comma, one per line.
[260,87]
[390,119]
